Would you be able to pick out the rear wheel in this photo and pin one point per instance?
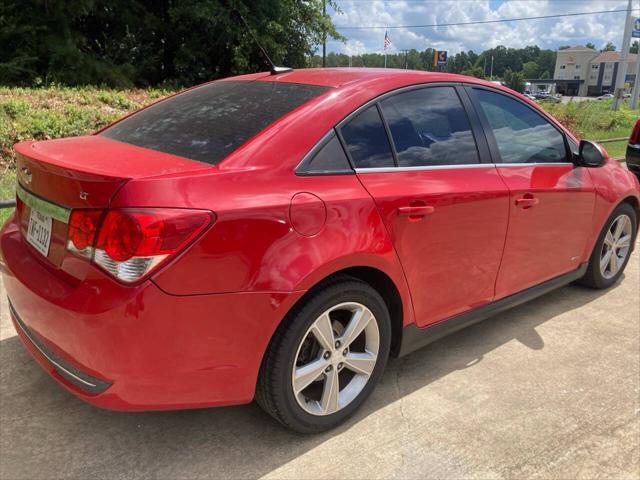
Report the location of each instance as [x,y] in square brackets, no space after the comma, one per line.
[613,248]
[324,362]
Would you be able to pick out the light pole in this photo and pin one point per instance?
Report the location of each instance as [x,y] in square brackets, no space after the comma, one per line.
[636,85]
[324,35]
[624,53]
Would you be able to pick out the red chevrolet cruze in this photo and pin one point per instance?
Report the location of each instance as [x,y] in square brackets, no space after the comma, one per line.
[277,237]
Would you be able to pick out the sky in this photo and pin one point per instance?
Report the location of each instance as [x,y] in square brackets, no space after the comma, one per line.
[547,33]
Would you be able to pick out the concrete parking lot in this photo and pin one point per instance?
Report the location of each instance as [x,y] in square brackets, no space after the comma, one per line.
[550,389]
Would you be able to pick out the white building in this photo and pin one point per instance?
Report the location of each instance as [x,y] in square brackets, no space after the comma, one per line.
[582,71]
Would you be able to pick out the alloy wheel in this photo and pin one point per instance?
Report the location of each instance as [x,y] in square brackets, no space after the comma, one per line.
[616,246]
[335,358]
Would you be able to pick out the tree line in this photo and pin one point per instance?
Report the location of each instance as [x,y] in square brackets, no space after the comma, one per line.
[512,65]
[123,43]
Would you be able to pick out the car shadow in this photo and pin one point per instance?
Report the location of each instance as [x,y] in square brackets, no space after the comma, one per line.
[47,432]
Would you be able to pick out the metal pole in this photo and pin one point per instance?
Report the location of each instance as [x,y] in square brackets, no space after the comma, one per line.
[636,84]
[385,59]
[491,74]
[624,53]
[324,36]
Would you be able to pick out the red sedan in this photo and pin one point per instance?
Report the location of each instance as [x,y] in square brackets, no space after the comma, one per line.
[278,237]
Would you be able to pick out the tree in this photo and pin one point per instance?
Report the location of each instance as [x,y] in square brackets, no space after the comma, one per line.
[564,47]
[609,47]
[514,80]
[591,46]
[148,42]
[475,71]
[545,75]
[530,70]
[634,47]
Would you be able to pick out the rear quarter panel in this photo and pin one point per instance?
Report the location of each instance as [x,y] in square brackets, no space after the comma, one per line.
[253,246]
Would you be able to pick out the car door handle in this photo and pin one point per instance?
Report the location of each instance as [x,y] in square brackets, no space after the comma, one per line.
[527,201]
[417,211]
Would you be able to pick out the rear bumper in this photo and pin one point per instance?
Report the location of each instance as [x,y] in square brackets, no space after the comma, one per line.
[138,348]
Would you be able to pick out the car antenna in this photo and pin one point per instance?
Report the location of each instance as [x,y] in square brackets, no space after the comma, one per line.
[274,69]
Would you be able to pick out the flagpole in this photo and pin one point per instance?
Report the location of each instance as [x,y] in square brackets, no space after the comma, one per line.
[385,59]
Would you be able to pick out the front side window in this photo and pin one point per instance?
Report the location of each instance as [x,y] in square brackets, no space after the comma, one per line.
[430,127]
[207,123]
[366,140]
[522,135]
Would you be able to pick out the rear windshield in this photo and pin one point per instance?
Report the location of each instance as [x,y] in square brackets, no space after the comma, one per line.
[209,122]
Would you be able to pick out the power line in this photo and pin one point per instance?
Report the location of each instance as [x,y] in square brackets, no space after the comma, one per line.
[480,22]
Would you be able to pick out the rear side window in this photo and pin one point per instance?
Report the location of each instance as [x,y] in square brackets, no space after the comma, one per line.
[330,158]
[366,140]
[430,127]
[209,122]
[522,135]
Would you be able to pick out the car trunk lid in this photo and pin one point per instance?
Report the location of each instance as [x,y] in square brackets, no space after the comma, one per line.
[57,176]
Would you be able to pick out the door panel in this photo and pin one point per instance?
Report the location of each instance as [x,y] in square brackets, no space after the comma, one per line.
[450,241]
[546,237]
[551,200]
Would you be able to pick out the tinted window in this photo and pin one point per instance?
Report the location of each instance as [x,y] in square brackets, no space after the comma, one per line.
[209,122]
[367,140]
[430,127]
[330,159]
[522,135]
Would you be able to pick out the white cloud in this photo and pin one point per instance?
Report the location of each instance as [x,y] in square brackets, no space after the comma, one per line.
[546,33]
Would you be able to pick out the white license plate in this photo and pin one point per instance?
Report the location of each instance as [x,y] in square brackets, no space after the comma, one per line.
[39,231]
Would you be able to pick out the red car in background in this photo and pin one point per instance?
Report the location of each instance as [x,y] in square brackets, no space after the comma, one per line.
[278,236]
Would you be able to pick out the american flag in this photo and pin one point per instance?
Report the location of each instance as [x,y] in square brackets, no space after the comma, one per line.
[387,40]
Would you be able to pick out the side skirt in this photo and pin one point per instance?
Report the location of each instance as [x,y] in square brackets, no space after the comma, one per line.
[414,337]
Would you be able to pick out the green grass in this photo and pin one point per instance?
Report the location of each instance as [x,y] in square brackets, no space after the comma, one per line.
[594,120]
[7,191]
[54,112]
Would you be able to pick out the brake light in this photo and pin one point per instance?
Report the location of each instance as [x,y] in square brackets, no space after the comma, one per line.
[83,227]
[131,243]
[634,139]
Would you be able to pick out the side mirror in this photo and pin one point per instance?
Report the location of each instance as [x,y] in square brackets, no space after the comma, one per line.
[590,154]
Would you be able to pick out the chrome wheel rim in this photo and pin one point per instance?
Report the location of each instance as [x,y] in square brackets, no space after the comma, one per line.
[616,246]
[335,359]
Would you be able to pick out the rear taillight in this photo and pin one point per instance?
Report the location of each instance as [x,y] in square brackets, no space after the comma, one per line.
[131,243]
[83,227]
[634,139]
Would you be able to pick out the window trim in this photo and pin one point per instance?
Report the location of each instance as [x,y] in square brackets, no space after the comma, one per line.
[491,140]
[300,169]
[477,132]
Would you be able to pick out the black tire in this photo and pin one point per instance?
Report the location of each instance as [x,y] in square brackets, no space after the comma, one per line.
[274,392]
[594,278]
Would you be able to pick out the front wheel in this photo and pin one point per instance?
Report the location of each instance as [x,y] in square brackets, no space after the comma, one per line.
[613,248]
[325,360]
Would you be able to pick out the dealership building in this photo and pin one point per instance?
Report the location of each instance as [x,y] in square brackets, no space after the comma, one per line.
[582,71]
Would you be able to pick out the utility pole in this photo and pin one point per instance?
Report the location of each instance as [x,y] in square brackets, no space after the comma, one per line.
[324,36]
[624,53]
[491,74]
[406,52]
[484,69]
[636,84]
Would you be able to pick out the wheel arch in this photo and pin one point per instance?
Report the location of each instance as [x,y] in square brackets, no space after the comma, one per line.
[399,311]
[635,204]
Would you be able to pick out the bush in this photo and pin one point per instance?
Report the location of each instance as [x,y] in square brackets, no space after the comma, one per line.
[55,112]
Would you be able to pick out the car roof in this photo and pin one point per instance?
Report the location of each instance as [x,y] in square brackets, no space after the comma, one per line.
[341,77]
